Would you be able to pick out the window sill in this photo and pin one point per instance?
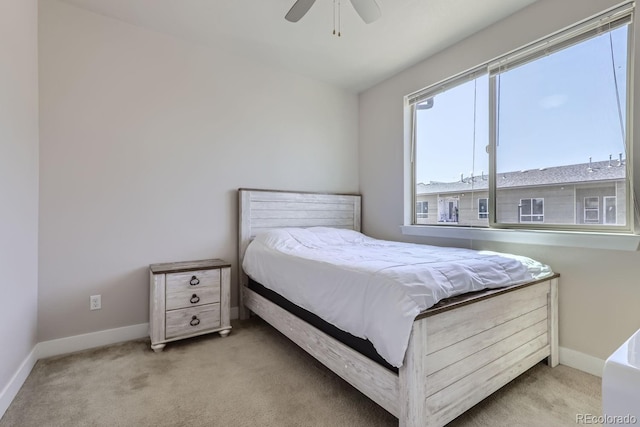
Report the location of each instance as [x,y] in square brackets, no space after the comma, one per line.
[622,242]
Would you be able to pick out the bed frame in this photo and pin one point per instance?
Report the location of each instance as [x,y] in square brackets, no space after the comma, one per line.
[460,351]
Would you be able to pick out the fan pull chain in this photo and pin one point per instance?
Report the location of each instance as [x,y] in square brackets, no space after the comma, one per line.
[339,8]
[334,17]
[336,12]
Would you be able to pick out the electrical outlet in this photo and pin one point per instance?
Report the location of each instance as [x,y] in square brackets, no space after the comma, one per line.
[95,302]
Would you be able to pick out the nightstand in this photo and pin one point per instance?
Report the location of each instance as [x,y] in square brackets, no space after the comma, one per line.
[188,299]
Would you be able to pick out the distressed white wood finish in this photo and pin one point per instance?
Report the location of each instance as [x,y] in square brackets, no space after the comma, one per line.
[472,319]
[244,238]
[225,301]
[490,358]
[457,355]
[413,388]
[449,355]
[478,387]
[177,282]
[157,311]
[343,213]
[172,306]
[263,210]
[552,306]
[475,361]
[181,293]
[373,380]
[206,295]
[188,321]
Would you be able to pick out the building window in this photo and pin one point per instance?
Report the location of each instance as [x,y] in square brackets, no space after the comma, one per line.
[592,210]
[422,209]
[609,206]
[554,118]
[483,208]
[531,210]
[448,210]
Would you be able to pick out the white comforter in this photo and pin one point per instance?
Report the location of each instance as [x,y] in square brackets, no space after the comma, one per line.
[372,288]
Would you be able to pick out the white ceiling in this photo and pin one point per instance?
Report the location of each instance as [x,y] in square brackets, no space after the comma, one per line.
[408,32]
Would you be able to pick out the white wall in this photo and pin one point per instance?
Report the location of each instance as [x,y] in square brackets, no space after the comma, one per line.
[144,142]
[599,289]
[18,186]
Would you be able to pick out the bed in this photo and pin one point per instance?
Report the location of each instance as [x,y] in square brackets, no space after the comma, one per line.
[459,351]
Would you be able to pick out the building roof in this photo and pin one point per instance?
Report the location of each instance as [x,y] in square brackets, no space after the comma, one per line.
[571,174]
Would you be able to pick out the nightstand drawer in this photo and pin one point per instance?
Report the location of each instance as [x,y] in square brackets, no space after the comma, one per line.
[188,283]
[184,298]
[189,321]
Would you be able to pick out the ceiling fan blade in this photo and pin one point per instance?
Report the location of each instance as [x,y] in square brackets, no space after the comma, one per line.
[298,10]
[368,10]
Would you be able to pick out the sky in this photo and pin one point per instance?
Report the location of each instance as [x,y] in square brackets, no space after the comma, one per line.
[557,110]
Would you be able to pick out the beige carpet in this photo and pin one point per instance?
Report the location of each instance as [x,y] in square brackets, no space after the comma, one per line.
[255,377]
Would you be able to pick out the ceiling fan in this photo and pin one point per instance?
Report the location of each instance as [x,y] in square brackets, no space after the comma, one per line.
[368,10]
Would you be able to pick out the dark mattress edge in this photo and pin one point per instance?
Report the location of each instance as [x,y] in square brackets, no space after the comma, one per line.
[362,346]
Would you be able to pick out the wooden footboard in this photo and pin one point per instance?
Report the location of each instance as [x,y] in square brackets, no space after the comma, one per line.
[458,357]
[455,358]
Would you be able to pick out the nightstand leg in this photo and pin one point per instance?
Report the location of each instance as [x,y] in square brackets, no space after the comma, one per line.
[157,347]
[224,333]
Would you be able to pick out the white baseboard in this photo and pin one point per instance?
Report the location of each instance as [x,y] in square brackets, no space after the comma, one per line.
[582,362]
[97,339]
[9,392]
[91,340]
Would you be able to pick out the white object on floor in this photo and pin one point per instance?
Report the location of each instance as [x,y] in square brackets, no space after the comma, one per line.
[621,384]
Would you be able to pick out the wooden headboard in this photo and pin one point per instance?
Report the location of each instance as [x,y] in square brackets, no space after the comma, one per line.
[260,210]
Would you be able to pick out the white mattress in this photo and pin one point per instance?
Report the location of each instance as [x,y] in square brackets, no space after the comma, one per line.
[373,288]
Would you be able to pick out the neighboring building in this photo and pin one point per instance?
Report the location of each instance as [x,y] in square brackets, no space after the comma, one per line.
[588,193]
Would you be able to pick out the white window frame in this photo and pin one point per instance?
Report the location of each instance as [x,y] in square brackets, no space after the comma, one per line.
[486,214]
[626,239]
[425,95]
[445,215]
[590,209]
[604,208]
[420,211]
[613,18]
[530,215]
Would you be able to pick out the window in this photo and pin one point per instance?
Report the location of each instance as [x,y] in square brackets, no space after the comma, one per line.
[483,208]
[609,206]
[448,210]
[553,116]
[422,209]
[591,209]
[531,210]
[560,120]
[452,119]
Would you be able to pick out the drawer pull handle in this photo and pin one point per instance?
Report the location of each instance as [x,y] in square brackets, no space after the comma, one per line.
[194,321]
[194,299]
[194,281]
